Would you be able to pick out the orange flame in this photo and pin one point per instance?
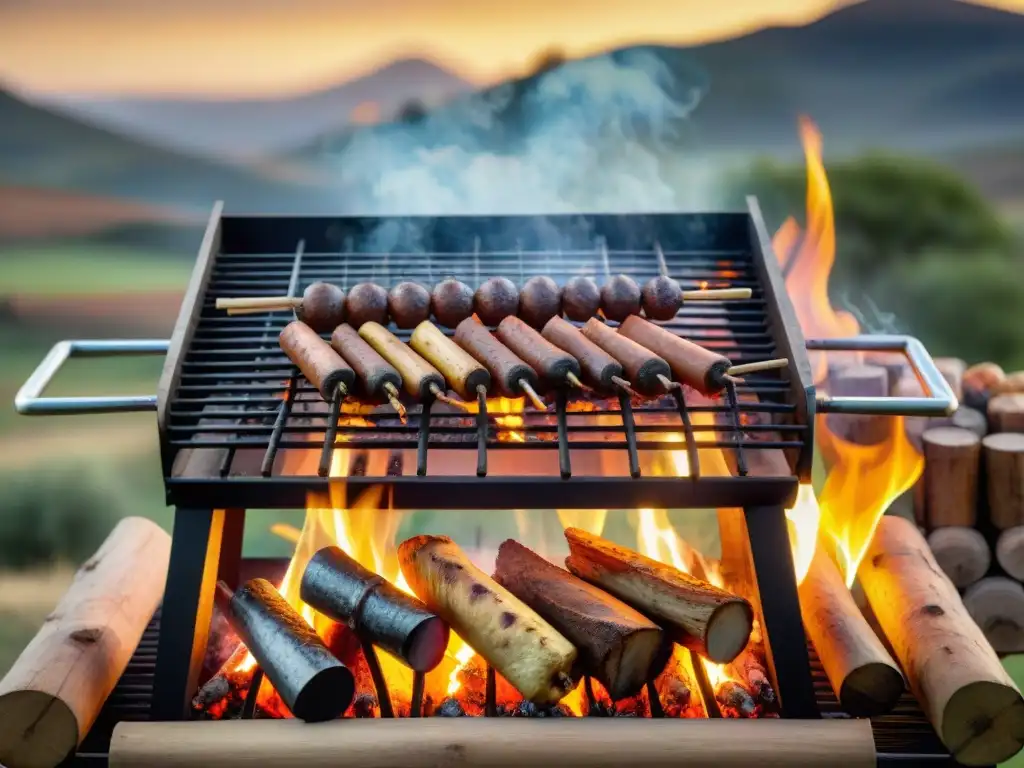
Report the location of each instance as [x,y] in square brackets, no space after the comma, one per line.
[863,480]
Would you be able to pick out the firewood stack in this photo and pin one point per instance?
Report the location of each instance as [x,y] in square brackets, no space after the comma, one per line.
[970,498]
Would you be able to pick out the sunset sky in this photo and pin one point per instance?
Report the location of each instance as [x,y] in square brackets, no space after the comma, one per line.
[267,47]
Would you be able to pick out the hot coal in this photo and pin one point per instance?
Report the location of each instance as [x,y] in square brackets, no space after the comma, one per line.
[529,709]
[735,700]
[450,708]
[365,705]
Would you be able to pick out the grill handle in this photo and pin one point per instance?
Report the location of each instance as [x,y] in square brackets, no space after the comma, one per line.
[939,399]
[29,402]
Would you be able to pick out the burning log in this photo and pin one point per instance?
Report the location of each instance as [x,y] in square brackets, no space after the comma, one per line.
[342,589]
[997,605]
[966,694]
[495,743]
[863,675]
[734,700]
[616,644]
[1006,412]
[961,552]
[230,680]
[311,682]
[517,642]
[1004,469]
[952,458]
[51,696]
[1010,551]
[698,615]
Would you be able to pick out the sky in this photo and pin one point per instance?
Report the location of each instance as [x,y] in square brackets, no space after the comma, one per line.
[253,48]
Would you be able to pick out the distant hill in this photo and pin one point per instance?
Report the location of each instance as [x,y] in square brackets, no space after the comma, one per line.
[256,126]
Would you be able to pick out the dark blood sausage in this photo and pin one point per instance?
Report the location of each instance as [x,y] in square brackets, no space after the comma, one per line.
[409,304]
[507,370]
[367,303]
[539,301]
[553,364]
[643,367]
[620,298]
[495,300]
[581,298]
[372,370]
[452,302]
[599,368]
[661,298]
[691,364]
[321,365]
[322,307]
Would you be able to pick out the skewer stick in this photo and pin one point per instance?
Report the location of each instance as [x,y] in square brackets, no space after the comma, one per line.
[531,393]
[256,311]
[438,394]
[716,294]
[260,303]
[392,394]
[667,383]
[574,381]
[763,365]
[624,385]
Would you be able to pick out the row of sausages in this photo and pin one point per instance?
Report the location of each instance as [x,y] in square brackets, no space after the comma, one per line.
[324,306]
[514,361]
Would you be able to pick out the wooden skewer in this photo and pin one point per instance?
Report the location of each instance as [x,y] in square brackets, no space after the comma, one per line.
[667,383]
[574,381]
[260,303]
[531,393]
[714,294]
[763,365]
[391,391]
[625,386]
[256,311]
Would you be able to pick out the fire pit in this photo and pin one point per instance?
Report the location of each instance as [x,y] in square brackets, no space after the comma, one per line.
[240,429]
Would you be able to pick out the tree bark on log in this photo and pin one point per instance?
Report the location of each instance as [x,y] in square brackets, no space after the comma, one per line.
[952,458]
[50,697]
[1010,551]
[698,615]
[1004,470]
[962,553]
[997,605]
[970,700]
[863,675]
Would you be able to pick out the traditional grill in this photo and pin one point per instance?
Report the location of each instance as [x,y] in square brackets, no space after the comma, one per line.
[232,409]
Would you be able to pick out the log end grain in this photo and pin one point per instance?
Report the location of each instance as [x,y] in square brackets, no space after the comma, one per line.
[729,630]
[997,605]
[871,690]
[1004,459]
[1006,413]
[961,552]
[952,457]
[1010,551]
[36,730]
[997,736]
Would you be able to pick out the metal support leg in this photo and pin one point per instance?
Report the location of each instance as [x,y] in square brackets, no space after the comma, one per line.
[783,626]
[187,607]
[231,547]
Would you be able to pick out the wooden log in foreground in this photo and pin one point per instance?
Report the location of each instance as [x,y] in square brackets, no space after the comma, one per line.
[1004,471]
[997,605]
[863,675]
[588,742]
[50,697]
[961,552]
[1010,551]
[697,615]
[952,457]
[963,689]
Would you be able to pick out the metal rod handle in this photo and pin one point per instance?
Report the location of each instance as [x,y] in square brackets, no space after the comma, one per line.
[29,402]
[939,399]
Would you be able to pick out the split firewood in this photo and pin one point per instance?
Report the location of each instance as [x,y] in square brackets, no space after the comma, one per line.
[997,605]
[1004,470]
[697,615]
[1006,412]
[1010,551]
[617,645]
[518,643]
[51,696]
[970,700]
[863,675]
[952,459]
[962,553]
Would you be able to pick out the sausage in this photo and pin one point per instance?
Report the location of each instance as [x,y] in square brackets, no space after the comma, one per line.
[620,298]
[539,301]
[452,302]
[367,303]
[465,375]
[555,366]
[511,376]
[691,363]
[643,367]
[321,365]
[661,298]
[409,304]
[581,298]
[375,374]
[509,635]
[599,368]
[421,379]
[495,300]
[322,307]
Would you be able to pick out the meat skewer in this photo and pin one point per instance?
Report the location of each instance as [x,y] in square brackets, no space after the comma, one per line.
[495,300]
[451,302]
[704,370]
[366,303]
[420,378]
[581,298]
[539,301]
[555,366]
[509,635]
[662,297]
[320,364]
[408,304]
[467,377]
[377,378]
[512,376]
[600,369]
[646,370]
[321,307]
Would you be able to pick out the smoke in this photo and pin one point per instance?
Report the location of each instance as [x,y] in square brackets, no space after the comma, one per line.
[605,134]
